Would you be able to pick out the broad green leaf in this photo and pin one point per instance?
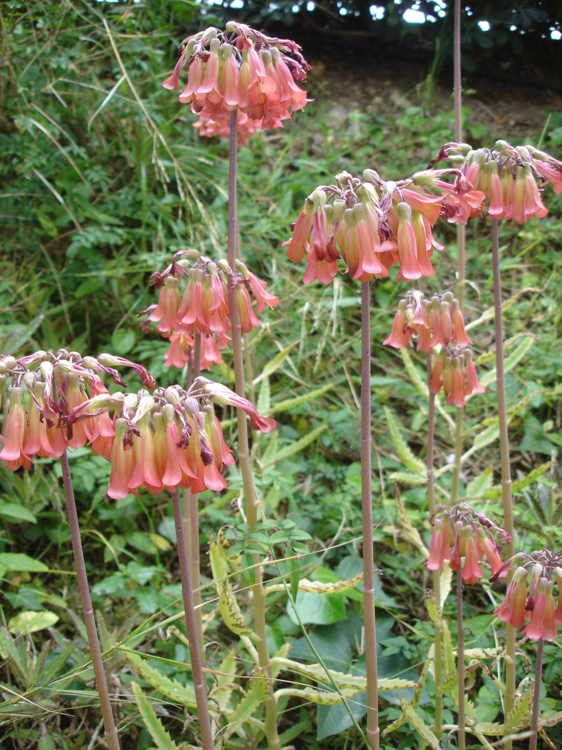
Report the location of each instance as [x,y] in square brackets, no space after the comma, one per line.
[17,512]
[419,725]
[402,448]
[180,694]
[20,563]
[275,363]
[519,484]
[296,447]
[32,622]
[319,609]
[332,646]
[152,722]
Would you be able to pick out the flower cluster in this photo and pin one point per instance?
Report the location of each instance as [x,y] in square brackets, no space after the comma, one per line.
[53,385]
[507,176]
[535,605]
[461,532]
[167,438]
[433,322]
[438,324]
[372,225]
[240,69]
[202,306]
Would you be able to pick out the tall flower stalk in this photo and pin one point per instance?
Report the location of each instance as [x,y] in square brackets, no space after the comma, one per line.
[373,732]
[251,504]
[111,736]
[505,462]
[199,685]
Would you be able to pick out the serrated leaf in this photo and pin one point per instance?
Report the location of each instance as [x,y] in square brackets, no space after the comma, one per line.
[419,725]
[550,721]
[520,712]
[290,403]
[402,448]
[230,612]
[407,477]
[411,533]
[449,683]
[448,648]
[318,673]
[520,484]
[317,587]
[296,447]
[179,694]
[320,697]
[490,728]
[218,562]
[433,608]
[152,722]
[259,684]
[243,711]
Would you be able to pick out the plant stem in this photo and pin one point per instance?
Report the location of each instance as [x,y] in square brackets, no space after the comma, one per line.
[243,444]
[455,479]
[373,732]
[437,658]
[536,697]
[505,464]
[93,642]
[460,661]
[195,562]
[199,685]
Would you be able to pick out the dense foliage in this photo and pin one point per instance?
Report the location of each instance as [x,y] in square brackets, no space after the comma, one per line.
[104,178]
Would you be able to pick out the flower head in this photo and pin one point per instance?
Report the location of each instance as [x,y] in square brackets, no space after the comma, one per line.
[240,69]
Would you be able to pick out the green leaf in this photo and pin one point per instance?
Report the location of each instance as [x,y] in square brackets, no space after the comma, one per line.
[480,484]
[406,477]
[230,611]
[290,403]
[293,563]
[406,456]
[534,438]
[519,484]
[350,566]
[510,362]
[17,512]
[419,725]
[520,712]
[18,562]
[264,398]
[32,622]
[300,445]
[152,722]
[332,646]
[275,363]
[319,609]
[178,694]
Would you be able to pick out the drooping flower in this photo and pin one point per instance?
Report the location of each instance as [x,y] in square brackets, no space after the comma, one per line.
[512,609]
[239,69]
